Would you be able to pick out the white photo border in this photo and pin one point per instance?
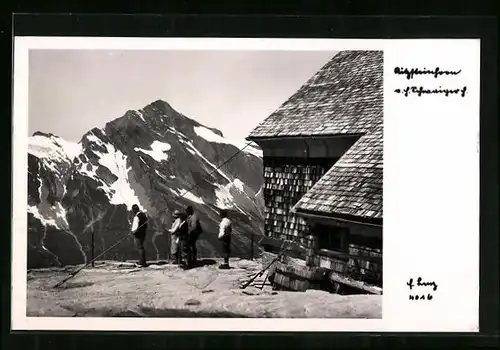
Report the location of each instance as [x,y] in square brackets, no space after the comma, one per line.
[431,191]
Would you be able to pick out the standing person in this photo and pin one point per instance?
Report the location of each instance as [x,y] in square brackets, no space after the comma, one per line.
[194,231]
[185,249]
[225,230]
[139,228]
[178,234]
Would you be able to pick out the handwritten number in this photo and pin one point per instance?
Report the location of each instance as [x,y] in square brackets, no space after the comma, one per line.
[420,297]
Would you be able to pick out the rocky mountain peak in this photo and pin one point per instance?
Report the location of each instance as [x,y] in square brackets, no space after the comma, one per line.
[161,104]
[155,157]
[161,107]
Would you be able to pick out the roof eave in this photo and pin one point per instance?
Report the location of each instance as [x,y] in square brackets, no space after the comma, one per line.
[304,136]
[366,221]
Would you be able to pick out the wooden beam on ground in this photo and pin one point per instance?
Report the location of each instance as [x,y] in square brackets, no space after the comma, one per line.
[335,277]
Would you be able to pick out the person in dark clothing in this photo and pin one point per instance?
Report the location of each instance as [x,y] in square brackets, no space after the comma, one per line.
[139,228]
[225,231]
[194,231]
[185,248]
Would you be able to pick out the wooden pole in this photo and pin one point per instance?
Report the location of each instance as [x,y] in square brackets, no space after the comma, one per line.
[93,233]
[169,247]
[251,246]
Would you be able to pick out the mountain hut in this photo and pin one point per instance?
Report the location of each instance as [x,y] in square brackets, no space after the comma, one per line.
[323,166]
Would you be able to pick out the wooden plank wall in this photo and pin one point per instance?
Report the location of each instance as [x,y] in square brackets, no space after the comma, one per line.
[372,270]
[364,264]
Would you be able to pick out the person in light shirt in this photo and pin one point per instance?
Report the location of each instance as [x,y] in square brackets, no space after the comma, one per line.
[138,230]
[178,232]
[225,230]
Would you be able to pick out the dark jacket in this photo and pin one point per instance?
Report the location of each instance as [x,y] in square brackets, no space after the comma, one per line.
[194,226]
[143,225]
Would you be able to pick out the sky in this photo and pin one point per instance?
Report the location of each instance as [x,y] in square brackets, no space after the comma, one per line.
[73,91]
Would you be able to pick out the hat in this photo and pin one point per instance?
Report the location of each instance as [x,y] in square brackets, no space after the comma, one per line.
[176,213]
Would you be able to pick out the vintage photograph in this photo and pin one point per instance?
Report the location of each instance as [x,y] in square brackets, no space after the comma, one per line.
[198,183]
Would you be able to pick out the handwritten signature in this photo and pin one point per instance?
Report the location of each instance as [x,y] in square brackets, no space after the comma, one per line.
[421,283]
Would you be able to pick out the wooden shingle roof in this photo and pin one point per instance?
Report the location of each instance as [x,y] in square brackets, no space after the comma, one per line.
[353,186]
[343,97]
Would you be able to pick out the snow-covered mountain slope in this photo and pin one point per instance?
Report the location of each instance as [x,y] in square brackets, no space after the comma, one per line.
[154,157]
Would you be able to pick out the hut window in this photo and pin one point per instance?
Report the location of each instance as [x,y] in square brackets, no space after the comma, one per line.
[330,237]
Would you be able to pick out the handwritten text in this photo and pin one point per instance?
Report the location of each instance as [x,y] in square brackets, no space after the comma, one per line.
[420,90]
[410,73]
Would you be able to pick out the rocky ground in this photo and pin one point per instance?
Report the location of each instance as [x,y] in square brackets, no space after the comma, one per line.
[164,290]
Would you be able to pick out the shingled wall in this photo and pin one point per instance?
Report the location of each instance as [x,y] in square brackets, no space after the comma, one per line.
[286,181]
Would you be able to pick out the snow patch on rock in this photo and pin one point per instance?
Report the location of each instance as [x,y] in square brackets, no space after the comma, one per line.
[157,150]
[187,195]
[116,162]
[163,176]
[225,196]
[95,139]
[120,191]
[224,199]
[53,147]
[54,216]
[141,115]
[193,198]
[40,187]
[36,213]
[239,184]
[160,175]
[71,149]
[178,133]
